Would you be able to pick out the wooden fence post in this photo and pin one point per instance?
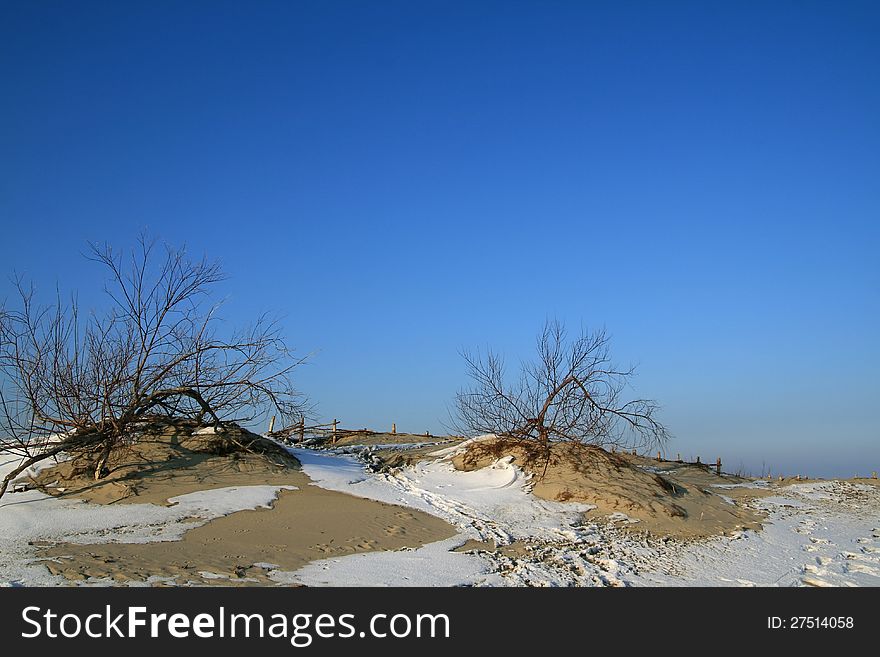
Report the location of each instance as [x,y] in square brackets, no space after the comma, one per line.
[302,428]
[271,424]
[718,466]
[335,422]
[393,427]
[659,457]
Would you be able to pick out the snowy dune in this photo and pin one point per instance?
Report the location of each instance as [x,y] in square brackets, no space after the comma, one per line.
[818,534]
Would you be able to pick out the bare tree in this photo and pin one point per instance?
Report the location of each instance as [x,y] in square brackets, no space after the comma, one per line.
[84,385]
[572,392]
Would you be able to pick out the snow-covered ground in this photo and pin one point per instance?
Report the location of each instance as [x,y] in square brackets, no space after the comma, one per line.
[819,534]
[825,533]
[488,504]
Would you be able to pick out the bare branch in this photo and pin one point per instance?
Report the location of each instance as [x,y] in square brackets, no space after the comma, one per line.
[156,349]
[571,392]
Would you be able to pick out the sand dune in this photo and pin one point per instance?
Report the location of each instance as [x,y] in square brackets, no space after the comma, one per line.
[678,501]
[305,523]
[185,508]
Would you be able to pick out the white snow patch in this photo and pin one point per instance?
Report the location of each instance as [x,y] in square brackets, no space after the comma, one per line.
[461,447]
[35,517]
[490,503]
[430,565]
[815,534]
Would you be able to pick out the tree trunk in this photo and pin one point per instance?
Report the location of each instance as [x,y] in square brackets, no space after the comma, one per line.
[101,467]
[544,439]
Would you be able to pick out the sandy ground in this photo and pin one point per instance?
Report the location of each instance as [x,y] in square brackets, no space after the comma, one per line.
[184,509]
[160,467]
[245,547]
[676,500]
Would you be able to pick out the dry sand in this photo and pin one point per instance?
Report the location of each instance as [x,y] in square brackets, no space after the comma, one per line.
[678,500]
[171,462]
[303,525]
[311,523]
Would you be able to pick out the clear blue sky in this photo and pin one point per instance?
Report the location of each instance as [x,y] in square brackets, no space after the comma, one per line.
[404,179]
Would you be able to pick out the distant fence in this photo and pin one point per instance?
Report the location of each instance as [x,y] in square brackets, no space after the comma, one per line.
[330,432]
[659,458]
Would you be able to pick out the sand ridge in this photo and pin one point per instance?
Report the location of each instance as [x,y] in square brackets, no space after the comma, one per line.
[678,501]
[303,525]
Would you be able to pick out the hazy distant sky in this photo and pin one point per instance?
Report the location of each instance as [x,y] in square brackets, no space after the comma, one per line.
[404,179]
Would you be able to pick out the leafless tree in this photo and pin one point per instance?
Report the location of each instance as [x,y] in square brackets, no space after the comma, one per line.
[572,392]
[84,385]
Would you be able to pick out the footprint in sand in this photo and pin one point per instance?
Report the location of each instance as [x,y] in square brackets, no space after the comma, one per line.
[607,579]
[395,530]
[815,544]
[858,567]
[813,574]
[805,527]
[815,581]
[362,543]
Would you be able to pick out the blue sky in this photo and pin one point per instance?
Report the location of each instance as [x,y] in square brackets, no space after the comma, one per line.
[400,180]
